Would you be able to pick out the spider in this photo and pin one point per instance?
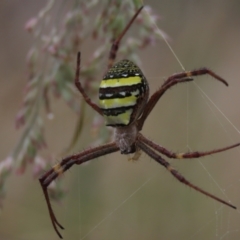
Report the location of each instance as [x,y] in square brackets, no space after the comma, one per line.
[125,105]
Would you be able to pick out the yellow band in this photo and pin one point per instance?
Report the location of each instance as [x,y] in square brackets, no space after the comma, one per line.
[119,82]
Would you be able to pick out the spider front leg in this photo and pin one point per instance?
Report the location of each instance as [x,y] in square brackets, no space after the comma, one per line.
[80,88]
[156,96]
[112,57]
[115,45]
[87,155]
[176,174]
[170,154]
[171,81]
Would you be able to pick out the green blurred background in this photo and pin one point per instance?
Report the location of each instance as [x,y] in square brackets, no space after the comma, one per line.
[203,33]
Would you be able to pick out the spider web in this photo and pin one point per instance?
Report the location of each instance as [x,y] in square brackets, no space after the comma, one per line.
[147,202]
[112,198]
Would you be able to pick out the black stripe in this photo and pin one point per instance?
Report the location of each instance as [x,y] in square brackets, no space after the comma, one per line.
[116,111]
[121,88]
[102,96]
[116,125]
[126,89]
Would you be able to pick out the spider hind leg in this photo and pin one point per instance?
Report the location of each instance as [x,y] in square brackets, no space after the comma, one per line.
[47,178]
[151,153]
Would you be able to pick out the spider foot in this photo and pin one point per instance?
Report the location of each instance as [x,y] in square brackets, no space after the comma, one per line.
[55,227]
[59,225]
[55,223]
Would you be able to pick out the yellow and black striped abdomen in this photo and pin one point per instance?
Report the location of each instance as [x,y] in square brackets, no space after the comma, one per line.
[123,93]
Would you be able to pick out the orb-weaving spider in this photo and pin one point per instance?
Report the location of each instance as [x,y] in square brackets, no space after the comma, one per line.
[125,105]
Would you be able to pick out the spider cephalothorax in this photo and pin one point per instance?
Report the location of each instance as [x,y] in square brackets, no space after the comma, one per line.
[125,105]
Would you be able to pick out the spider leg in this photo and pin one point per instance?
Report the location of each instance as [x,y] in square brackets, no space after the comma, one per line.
[80,88]
[170,154]
[172,80]
[176,174]
[115,45]
[64,165]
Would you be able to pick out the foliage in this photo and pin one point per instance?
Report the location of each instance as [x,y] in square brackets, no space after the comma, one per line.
[50,71]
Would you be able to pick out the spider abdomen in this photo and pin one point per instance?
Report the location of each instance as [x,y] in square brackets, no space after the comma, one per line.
[123,92]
